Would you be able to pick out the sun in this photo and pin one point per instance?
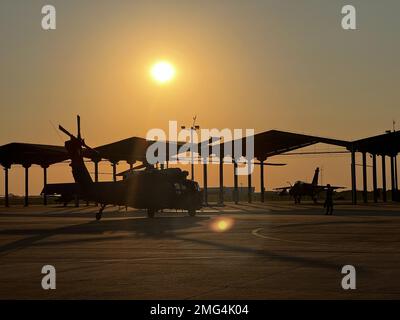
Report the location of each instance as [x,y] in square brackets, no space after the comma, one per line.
[162,72]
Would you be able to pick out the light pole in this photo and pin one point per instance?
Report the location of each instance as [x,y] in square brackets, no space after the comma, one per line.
[193,128]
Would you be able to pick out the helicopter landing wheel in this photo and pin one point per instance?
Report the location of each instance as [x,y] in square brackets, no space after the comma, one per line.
[150,213]
[100,213]
[192,212]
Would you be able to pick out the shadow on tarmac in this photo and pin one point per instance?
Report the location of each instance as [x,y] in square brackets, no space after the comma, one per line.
[157,228]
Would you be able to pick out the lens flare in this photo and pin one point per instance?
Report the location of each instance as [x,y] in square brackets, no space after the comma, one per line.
[221,224]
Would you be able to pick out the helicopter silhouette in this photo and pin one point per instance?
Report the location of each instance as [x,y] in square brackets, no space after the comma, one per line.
[151,189]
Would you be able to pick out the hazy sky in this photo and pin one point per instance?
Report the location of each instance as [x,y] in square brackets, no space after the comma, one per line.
[272,64]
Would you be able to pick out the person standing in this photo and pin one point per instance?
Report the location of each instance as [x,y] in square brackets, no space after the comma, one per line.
[329,200]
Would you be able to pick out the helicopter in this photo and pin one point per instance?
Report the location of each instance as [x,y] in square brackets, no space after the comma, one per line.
[151,189]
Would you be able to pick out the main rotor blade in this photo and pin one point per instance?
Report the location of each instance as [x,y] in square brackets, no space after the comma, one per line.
[141,166]
[78,120]
[65,131]
[271,164]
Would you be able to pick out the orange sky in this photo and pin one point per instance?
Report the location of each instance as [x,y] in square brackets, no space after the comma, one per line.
[256,64]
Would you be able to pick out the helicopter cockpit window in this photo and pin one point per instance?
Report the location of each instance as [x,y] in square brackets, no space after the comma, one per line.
[178,188]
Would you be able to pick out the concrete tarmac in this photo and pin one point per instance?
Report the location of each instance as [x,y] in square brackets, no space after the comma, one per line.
[249,251]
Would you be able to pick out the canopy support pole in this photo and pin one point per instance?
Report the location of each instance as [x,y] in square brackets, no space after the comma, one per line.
[205,183]
[44,184]
[353,177]
[365,182]
[384,195]
[262,189]
[26,199]
[235,180]
[374,178]
[6,196]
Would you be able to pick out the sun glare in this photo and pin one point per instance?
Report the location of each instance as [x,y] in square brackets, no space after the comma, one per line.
[163,71]
[221,224]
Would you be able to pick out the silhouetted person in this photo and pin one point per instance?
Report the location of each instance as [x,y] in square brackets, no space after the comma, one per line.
[329,200]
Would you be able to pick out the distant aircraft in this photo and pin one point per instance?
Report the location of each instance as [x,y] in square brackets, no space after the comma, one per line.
[150,189]
[301,188]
